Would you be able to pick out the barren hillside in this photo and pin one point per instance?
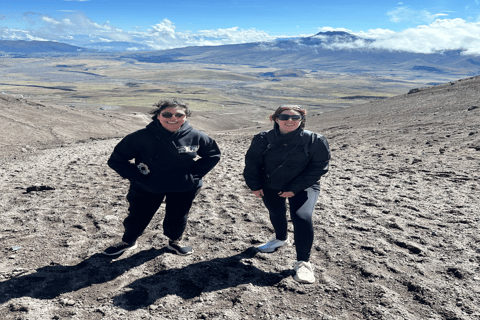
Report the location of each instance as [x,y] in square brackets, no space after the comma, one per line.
[396,224]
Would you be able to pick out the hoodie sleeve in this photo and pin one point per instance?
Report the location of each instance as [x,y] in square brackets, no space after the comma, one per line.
[254,162]
[119,160]
[317,167]
[209,154]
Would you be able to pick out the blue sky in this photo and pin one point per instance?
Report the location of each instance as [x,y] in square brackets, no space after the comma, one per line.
[418,26]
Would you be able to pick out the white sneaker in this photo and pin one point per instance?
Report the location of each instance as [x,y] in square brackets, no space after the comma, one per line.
[271,245]
[304,271]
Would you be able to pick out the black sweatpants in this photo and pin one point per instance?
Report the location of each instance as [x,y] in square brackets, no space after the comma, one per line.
[144,205]
[301,211]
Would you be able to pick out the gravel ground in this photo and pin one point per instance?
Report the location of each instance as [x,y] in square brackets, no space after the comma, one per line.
[396,224]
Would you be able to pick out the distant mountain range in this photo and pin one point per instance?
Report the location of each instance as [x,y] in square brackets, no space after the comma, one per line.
[21,47]
[317,52]
[117,46]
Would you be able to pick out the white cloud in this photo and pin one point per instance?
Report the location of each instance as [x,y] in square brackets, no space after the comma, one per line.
[438,36]
[235,35]
[165,36]
[16,34]
[164,28]
[326,29]
[407,15]
[50,20]
[441,35]
[77,29]
[78,26]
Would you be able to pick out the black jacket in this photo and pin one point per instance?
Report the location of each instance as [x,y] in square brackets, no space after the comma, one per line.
[303,168]
[169,156]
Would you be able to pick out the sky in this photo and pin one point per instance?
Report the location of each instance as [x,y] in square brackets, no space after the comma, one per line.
[418,26]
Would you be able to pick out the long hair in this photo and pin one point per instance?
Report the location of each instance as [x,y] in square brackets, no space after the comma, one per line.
[165,104]
[292,107]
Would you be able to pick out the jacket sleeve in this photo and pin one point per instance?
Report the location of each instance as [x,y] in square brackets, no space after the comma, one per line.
[209,154]
[254,162]
[317,167]
[119,160]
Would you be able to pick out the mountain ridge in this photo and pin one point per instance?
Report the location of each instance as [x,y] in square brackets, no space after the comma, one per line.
[316,52]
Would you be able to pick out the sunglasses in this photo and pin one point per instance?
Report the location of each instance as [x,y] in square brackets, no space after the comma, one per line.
[169,115]
[285,117]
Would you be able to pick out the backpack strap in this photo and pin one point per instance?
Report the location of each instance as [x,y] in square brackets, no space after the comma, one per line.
[270,138]
[306,138]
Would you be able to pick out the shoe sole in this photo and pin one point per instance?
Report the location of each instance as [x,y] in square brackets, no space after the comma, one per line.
[120,251]
[270,250]
[303,281]
[179,253]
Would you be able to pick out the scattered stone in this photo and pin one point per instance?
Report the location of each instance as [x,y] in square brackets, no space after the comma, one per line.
[67,302]
[413,91]
[414,161]
[14,307]
[39,188]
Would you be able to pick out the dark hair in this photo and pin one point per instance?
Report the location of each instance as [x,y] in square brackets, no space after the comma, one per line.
[292,107]
[165,104]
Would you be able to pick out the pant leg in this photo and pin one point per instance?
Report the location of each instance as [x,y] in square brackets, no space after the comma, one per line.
[143,206]
[178,206]
[301,211]
[277,209]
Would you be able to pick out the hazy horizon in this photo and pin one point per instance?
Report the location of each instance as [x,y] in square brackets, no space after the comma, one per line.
[422,27]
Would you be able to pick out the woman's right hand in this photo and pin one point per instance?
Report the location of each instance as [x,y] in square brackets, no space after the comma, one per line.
[258,193]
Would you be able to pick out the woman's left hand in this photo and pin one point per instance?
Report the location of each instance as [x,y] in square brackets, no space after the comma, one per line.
[286,194]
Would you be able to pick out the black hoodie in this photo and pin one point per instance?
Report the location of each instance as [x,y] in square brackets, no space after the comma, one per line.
[169,157]
[290,167]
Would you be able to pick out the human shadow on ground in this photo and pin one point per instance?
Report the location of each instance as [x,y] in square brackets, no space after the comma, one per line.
[51,281]
[192,280]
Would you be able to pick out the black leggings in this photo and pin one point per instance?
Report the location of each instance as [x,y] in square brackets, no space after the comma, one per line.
[144,205]
[301,211]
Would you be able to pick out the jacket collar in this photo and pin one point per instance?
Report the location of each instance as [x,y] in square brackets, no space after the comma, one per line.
[285,137]
[160,132]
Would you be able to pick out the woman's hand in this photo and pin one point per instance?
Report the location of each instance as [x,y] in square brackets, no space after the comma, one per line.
[286,194]
[258,193]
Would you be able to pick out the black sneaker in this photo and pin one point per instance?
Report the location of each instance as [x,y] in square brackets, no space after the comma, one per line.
[119,248]
[178,248]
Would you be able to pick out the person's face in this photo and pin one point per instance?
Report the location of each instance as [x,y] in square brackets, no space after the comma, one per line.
[173,123]
[289,125]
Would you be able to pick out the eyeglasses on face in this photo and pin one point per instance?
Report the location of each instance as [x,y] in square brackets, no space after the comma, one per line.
[285,117]
[169,115]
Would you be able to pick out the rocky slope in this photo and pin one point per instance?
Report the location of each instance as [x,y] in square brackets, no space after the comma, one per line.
[396,223]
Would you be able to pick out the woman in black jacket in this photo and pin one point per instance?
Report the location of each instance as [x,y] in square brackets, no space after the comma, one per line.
[287,163]
[165,168]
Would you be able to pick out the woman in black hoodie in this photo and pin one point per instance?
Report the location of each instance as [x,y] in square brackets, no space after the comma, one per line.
[287,163]
[165,168]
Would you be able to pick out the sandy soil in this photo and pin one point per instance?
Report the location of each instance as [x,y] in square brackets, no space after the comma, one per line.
[396,223]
